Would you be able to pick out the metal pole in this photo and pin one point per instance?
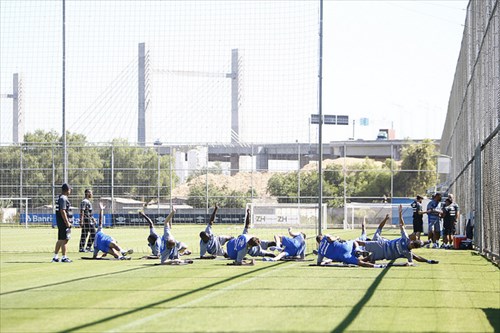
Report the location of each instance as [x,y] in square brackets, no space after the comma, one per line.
[392,172]
[298,173]
[320,112]
[112,178]
[345,187]
[158,185]
[170,166]
[65,149]
[206,183]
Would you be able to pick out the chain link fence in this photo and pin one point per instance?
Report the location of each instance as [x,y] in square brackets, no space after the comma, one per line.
[470,134]
[195,177]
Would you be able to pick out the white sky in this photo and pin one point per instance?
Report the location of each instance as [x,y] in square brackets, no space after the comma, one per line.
[390,61]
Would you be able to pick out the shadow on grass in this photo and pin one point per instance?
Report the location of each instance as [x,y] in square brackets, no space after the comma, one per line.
[167,300]
[69,281]
[359,306]
[493,316]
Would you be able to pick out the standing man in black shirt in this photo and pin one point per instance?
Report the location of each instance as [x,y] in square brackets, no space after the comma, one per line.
[64,217]
[418,212]
[87,222]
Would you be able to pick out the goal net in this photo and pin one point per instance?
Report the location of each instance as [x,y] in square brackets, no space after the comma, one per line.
[284,215]
[372,214]
[14,211]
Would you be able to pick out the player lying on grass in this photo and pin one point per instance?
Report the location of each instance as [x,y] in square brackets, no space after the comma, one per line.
[170,248]
[107,244]
[332,248]
[246,244]
[154,240]
[396,248]
[210,243]
[293,247]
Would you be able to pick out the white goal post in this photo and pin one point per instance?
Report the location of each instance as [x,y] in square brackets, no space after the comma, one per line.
[9,212]
[284,215]
[373,213]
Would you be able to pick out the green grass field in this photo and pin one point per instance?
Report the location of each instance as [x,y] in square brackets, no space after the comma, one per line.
[460,294]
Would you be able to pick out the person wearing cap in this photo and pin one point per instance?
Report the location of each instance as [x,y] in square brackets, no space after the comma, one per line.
[450,214]
[433,217]
[64,218]
[418,212]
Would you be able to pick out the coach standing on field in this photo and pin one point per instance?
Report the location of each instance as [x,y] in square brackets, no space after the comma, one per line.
[64,217]
[87,223]
[418,212]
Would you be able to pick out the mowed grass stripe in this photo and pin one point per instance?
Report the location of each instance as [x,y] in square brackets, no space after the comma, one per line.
[203,298]
[461,294]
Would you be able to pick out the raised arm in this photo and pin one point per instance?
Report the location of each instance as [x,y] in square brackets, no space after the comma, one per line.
[212,218]
[291,233]
[147,218]
[247,220]
[168,220]
[101,213]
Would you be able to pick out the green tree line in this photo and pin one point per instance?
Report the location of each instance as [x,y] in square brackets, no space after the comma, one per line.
[413,175]
[132,171]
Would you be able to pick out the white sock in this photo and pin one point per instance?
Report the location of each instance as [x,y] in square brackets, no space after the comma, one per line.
[64,257]
[56,256]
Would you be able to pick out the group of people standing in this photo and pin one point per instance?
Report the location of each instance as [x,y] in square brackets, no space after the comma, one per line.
[362,251]
[446,213]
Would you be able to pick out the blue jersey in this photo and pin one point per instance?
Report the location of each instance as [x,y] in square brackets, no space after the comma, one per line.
[435,207]
[294,246]
[237,248]
[214,244]
[155,247]
[165,252]
[337,251]
[231,252]
[101,241]
[390,249]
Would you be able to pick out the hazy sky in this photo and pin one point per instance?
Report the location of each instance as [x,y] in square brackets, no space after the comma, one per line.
[392,62]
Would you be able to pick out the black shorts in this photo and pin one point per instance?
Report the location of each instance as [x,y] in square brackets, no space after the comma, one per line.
[63,233]
[449,231]
[418,226]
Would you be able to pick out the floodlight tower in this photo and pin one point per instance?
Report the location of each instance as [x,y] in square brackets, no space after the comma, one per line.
[17,111]
[234,75]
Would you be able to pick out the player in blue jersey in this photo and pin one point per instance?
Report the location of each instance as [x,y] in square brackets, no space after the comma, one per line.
[64,219]
[332,248]
[210,243]
[433,217]
[238,248]
[170,248]
[396,248]
[106,243]
[154,240]
[293,247]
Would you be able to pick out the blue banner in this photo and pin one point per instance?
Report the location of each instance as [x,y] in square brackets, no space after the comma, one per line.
[35,218]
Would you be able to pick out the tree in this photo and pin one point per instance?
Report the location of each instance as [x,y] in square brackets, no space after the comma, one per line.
[420,158]
[197,196]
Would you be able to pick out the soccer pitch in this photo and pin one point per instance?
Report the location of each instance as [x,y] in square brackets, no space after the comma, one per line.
[460,294]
